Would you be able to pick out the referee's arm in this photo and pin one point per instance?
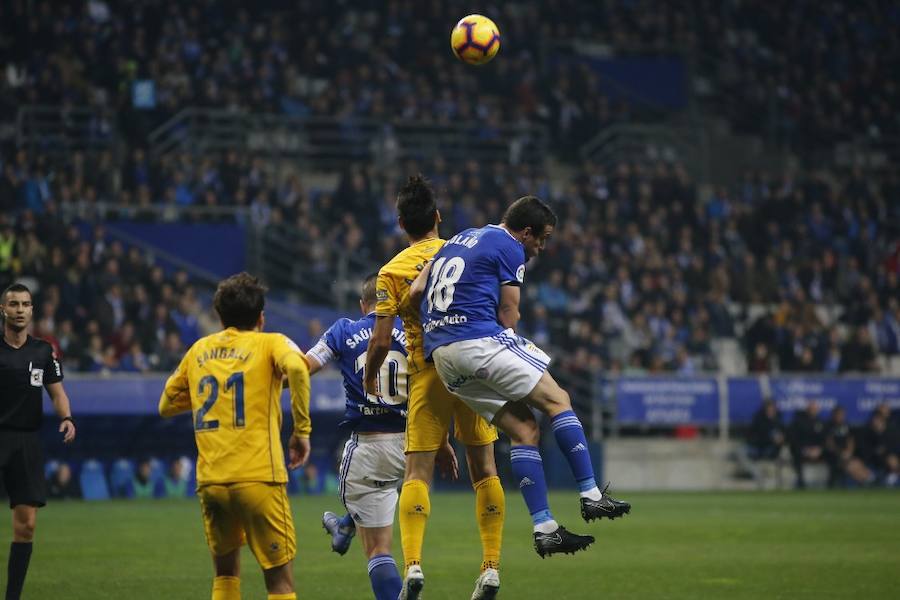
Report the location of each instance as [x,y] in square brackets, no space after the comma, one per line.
[61,406]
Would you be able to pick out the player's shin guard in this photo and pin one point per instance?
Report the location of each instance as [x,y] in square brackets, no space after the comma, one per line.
[16,568]
[528,469]
[415,506]
[490,512]
[226,588]
[574,445]
[386,582]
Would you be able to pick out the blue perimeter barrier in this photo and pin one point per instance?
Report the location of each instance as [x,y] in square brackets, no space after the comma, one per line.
[728,401]
[139,395]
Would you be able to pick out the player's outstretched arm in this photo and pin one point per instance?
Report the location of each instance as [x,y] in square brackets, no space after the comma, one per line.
[61,405]
[508,311]
[379,346]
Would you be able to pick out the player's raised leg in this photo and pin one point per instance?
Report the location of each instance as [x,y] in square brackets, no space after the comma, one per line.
[553,401]
[341,530]
[516,420]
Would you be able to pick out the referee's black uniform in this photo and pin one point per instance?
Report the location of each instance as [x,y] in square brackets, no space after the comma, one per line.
[23,374]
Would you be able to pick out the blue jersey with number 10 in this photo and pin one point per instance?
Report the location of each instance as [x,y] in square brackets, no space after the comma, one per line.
[463,291]
[347,343]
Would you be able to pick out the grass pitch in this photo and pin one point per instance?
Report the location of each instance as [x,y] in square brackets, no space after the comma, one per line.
[693,545]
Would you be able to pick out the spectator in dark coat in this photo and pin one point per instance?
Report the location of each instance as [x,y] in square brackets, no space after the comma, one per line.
[840,448]
[766,437]
[807,439]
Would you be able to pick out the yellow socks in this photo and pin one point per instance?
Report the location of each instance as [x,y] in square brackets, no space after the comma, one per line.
[415,506]
[226,588]
[291,596]
[490,510]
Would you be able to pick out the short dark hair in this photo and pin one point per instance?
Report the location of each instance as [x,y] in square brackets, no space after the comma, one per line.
[416,206]
[529,211]
[16,287]
[368,288]
[239,300]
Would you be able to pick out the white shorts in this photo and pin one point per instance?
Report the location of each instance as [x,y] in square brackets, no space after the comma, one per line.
[371,471]
[489,372]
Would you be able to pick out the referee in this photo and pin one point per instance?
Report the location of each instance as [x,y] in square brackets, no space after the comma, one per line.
[26,365]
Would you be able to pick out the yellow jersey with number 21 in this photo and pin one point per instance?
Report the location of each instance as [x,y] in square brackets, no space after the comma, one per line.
[231,382]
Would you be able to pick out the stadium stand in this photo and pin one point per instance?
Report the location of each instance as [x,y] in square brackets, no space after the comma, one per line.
[665,263]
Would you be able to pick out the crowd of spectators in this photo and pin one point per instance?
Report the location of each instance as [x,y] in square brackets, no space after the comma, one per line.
[104,307]
[866,455]
[645,271]
[815,73]
[811,73]
[386,60]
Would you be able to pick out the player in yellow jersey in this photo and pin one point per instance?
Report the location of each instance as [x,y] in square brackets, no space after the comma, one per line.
[431,407]
[231,381]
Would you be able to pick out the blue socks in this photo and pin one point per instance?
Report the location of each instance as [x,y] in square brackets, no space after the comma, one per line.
[574,445]
[386,582]
[347,521]
[528,469]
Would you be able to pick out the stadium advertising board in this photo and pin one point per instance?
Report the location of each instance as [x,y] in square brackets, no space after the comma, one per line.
[140,395]
[857,396]
[667,401]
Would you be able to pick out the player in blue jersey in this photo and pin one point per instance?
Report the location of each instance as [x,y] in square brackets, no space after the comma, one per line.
[470,308]
[373,462]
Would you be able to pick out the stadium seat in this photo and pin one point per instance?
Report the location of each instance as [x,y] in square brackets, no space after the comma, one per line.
[93,481]
[120,477]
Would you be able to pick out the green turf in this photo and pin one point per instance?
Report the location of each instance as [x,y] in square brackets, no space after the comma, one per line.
[711,545]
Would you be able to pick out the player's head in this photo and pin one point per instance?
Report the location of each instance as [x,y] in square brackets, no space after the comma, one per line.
[240,300]
[531,221]
[367,298]
[416,208]
[17,307]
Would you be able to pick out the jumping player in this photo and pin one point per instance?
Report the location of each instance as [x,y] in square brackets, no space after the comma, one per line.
[431,407]
[469,311]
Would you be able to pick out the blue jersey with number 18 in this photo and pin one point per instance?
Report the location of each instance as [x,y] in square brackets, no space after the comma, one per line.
[463,291]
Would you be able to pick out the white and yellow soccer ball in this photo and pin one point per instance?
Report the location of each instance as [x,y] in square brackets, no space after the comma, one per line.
[475,40]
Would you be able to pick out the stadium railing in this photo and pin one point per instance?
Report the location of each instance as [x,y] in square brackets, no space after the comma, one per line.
[56,129]
[632,142]
[331,142]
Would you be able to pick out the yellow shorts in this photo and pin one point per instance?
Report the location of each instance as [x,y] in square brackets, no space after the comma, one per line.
[431,410]
[252,512]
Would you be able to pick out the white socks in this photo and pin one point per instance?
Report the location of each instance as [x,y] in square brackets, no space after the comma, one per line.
[592,494]
[546,527]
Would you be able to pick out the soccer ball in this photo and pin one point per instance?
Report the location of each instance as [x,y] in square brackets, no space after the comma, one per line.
[475,40]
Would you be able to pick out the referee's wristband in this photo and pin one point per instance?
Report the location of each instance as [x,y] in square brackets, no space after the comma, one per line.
[69,418]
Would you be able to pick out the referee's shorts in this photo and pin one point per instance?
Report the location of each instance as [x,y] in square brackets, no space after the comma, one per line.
[22,467]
